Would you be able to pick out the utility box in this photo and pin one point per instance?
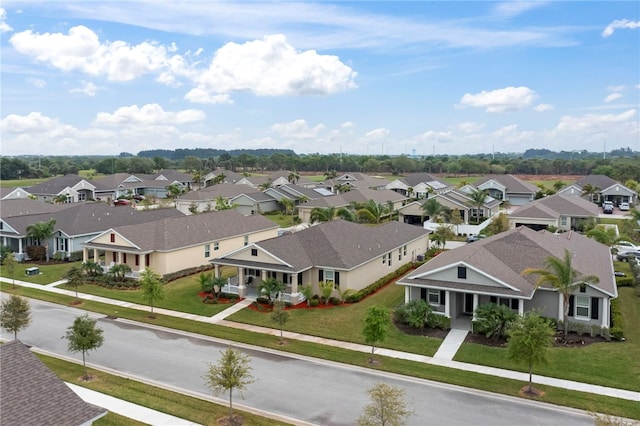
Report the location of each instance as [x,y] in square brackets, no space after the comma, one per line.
[33,271]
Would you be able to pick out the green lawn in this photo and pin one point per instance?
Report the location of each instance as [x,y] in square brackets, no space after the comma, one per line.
[614,364]
[180,295]
[283,220]
[48,273]
[173,403]
[14,183]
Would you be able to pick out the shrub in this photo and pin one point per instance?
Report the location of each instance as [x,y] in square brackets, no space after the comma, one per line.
[314,302]
[493,320]
[625,281]
[414,313]
[75,256]
[186,272]
[36,252]
[438,321]
[334,300]
[361,294]
[616,320]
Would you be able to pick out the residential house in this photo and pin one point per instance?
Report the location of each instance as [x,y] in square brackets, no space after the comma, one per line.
[70,188]
[356,195]
[31,394]
[74,223]
[603,188]
[352,180]
[254,203]
[507,188]
[206,199]
[221,176]
[559,211]
[349,255]
[456,282]
[14,193]
[148,185]
[418,185]
[178,243]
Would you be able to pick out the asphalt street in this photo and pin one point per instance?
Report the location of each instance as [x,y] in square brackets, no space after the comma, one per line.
[313,391]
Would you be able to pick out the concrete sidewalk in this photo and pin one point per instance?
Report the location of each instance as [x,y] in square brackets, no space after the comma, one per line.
[444,362]
[450,345]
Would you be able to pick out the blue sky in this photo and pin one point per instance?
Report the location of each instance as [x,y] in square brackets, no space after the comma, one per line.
[102,77]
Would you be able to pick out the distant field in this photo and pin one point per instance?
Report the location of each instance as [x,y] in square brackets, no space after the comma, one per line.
[20,182]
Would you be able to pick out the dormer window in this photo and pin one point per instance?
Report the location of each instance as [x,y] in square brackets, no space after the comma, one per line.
[112,237]
[254,252]
[462,272]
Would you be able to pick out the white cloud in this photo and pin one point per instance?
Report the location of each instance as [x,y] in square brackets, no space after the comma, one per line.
[612,97]
[620,88]
[87,88]
[297,129]
[468,127]
[34,122]
[347,125]
[150,114]
[272,67]
[620,23]
[544,107]
[4,27]
[377,134]
[501,100]
[594,122]
[37,82]
[199,96]
[82,51]
[510,9]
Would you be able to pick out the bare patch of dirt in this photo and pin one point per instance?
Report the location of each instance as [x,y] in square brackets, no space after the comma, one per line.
[234,420]
[427,332]
[87,379]
[75,302]
[573,340]
[525,392]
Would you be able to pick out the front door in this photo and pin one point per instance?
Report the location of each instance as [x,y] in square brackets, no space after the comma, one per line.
[468,304]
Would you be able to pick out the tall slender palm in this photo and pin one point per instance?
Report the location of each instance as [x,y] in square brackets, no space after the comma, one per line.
[287,204]
[41,232]
[478,198]
[590,190]
[432,209]
[560,275]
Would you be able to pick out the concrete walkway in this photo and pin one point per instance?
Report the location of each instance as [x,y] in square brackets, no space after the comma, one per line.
[127,409]
[450,345]
[444,361]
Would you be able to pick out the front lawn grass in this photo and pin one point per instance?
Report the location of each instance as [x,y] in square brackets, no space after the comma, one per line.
[613,364]
[173,403]
[180,295]
[281,219]
[113,419]
[48,272]
[345,322]
[584,401]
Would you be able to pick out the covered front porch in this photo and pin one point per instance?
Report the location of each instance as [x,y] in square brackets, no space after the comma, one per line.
[107,258]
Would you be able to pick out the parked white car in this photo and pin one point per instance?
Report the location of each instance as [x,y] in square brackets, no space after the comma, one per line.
[623,246]
[624,206]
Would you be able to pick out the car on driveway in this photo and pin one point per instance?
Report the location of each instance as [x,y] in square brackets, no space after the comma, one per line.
[624,207]
[607,207]
[622,246]
[121,202]
[472,238]
[624,256]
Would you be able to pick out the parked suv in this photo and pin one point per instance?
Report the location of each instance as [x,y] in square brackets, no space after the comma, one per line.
[607,207]
[624,206]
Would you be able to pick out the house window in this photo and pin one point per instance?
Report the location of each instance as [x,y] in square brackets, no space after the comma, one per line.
[330,276]
[433,297]
[563,220]
[384,258]
[82,196]
[254,252]
[207,250]
[113,237]
[462,272]
[404,250]
[147,260]
[399,254]
[124,257]
[582,306]
[137,260]
[216,246]
[113,256]
[246,240]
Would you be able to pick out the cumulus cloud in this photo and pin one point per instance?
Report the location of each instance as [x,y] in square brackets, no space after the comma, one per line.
[501,100]
[81,50]
[347,125]
[272,67]
[87,88]
[200,96]
[150,114]
[377,134]
[543,107]
[4,27]
[37,82]
[612,97]
[510,9]
[297,129]
[620,24]
[34,122]
[468,127]
[593,122]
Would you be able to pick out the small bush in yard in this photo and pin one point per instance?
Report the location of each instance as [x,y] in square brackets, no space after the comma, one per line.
[616,320]
[438,321]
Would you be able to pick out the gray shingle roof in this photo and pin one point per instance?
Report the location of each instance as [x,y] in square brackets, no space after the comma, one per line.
[512,183]
[55,185]
[26,206]
[31,394]
[414,179]
[506,255]
[178,232]
[359,195]
[599,181]
[210,193]
[340,244]
[556,205]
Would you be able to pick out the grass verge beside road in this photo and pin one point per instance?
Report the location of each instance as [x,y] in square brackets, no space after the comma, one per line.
[591,402]
[173,403]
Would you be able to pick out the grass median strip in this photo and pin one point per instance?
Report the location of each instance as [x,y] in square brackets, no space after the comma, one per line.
[591,402]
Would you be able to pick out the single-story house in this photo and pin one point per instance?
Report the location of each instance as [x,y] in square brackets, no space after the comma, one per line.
[14,193]
[603,188]
[350,255]
[456,200]
[205,199]
[418,185]
[73,188]
[254,203]
[559,210]
[31,394]
[178,243]
[354,180]
[507,188]
[219,175]
[456,282]
[124,184]
[75,224]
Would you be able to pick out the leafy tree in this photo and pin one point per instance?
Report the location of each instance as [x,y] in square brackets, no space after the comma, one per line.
[191,163]
[74,277]
[376,326]
[498,224]
[387,407]
[9,264]
[152,286]
[529,339]
[60,199]
[330,174]
[560,275]
[15,314]
[280,316]
[232,372]
[493,320]
[272,288]
[222,204]
[456,219]
[174,190]
[5,251]
[84,336]
[41,232]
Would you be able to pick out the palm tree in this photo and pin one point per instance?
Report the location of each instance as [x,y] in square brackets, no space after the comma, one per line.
[266,185]
[322,214]
[271,288]
[432,209]
[330,174]
[91,269]
[287,204]
[478,198]
[590,190]
[442,234]
[41,232]
[293,177]
[560,275]
[119,271]
[371,212]
[347,214]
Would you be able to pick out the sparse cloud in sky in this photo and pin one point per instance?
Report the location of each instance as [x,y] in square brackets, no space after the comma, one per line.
[620,24]
[500,100]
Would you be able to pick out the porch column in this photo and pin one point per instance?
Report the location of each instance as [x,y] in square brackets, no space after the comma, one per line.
[85,255]
[447,303]
[241,287]
[520,307]
[263,275]
[605,312]
[216,269]
[96,258]
[19,245]
[475,305]
[407,295]
[560,306]
[294,284]
[119,257]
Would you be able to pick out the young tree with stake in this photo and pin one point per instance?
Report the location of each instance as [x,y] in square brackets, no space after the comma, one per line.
[376,326]
[15,314]
[84,336]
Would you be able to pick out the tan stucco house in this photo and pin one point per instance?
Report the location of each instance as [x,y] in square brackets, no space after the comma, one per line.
[560,211]
[179,243]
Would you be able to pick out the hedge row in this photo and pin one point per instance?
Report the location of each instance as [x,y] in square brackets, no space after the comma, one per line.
[372,288]
[186,272]
[616,320]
